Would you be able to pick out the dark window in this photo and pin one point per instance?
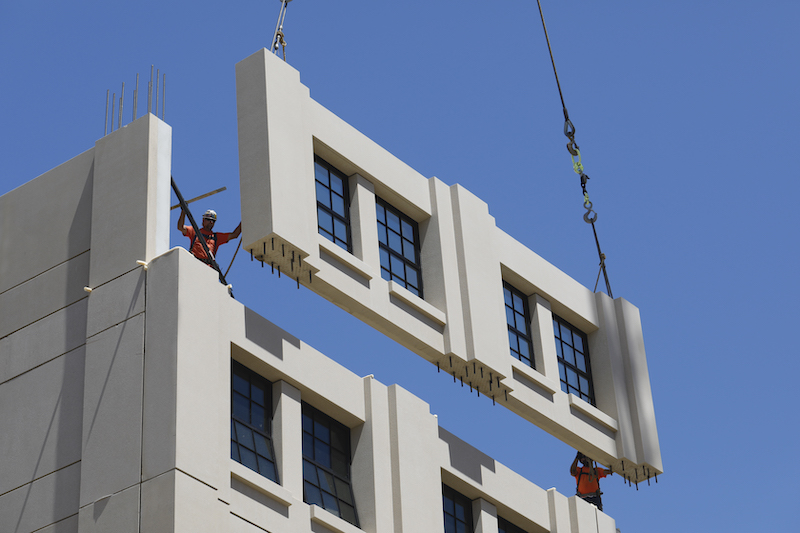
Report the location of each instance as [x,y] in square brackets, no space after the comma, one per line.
[518,318]
[398,237]
[333,204]
[457,511]
[573,360]
[326,464]
[251,421]
[504,526]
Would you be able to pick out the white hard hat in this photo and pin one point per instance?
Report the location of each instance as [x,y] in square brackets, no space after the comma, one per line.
[210,214]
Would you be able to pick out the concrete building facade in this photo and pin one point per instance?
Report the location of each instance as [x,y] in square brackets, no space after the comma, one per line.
[123,402]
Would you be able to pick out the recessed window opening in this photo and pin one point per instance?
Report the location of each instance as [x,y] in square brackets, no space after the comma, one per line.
[333,204]
[251,421]
[457,511]
[504,526]
[518,318]
[326,464]
[399,244]
[573,360]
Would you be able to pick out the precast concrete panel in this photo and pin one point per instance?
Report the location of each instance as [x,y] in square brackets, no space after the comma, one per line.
[40,413]
[44,294]
[458,322]
[130,197]
[117,513]
[43,502]
[33,244]
[43,340]
[112,410]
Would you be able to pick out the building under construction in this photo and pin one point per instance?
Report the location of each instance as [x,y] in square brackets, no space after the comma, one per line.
[120,414]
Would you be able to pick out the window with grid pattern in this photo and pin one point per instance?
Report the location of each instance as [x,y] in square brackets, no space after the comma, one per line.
[251,419]
[518,318]
[573,360]
[398,241]
[504,526]
[326,464]
[457,511]
[333,204]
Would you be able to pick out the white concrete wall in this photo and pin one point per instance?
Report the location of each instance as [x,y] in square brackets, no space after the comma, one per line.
[460,323]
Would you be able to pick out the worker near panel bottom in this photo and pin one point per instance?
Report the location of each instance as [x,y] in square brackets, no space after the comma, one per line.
[213,239]
[587,478]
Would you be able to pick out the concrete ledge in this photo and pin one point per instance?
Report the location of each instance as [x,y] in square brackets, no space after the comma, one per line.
[347,259]
[535,377]
[265,486]
[331,521]
[417,303]
[593,412]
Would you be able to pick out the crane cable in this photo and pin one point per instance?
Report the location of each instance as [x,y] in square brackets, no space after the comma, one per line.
[572,147]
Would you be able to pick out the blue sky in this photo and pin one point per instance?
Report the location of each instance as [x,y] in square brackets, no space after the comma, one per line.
[685,115]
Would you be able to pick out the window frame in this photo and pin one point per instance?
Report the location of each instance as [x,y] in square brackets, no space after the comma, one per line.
[320,465]
[240,426]
[328,208]
[458,499]
[384,239]
[565,366]
[513,329]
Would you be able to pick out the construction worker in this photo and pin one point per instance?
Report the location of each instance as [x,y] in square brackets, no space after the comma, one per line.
[588,479]
[213,239]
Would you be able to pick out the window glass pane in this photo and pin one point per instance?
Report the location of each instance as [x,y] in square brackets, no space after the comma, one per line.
[411,276]
[258,417]
[325,220]
[398,267]
[559,353]
[385,259]
[262,446]
[459,511]
[581,362]
[343,491]
[507,296]
[449,523]
[249,459]
[326,481]
[566,335]
[330,503]
[321,431]
[584,384]
[523,349]
[578,342]
[323,195]
[310,472]
[337,185]
[555,329]
[321,173]
[308,445]
[562,372]
[337,204]
[241,407]
[240,384]
[518,306]
[339,463]
[569,355]
[268,469]
[461,527]
[395,242]
[339,229]
[322,453]
[312,494]
[572,378]
[381,212]
[513,341]
[449,505]
[244,436]
[408,251]
[348,512]
[257,393]
[393,221]
[235,452]
[308,423]
[509,316]
[407,231]
[340,438]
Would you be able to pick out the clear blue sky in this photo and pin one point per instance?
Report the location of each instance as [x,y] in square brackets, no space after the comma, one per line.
[686,116]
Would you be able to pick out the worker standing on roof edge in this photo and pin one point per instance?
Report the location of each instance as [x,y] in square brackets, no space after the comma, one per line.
[588,479]
[213,239]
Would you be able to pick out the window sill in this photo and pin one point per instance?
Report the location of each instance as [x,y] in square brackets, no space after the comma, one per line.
[592,412]
[344,257]
[263,485]
[534,376]
[331,521]
[417,303]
